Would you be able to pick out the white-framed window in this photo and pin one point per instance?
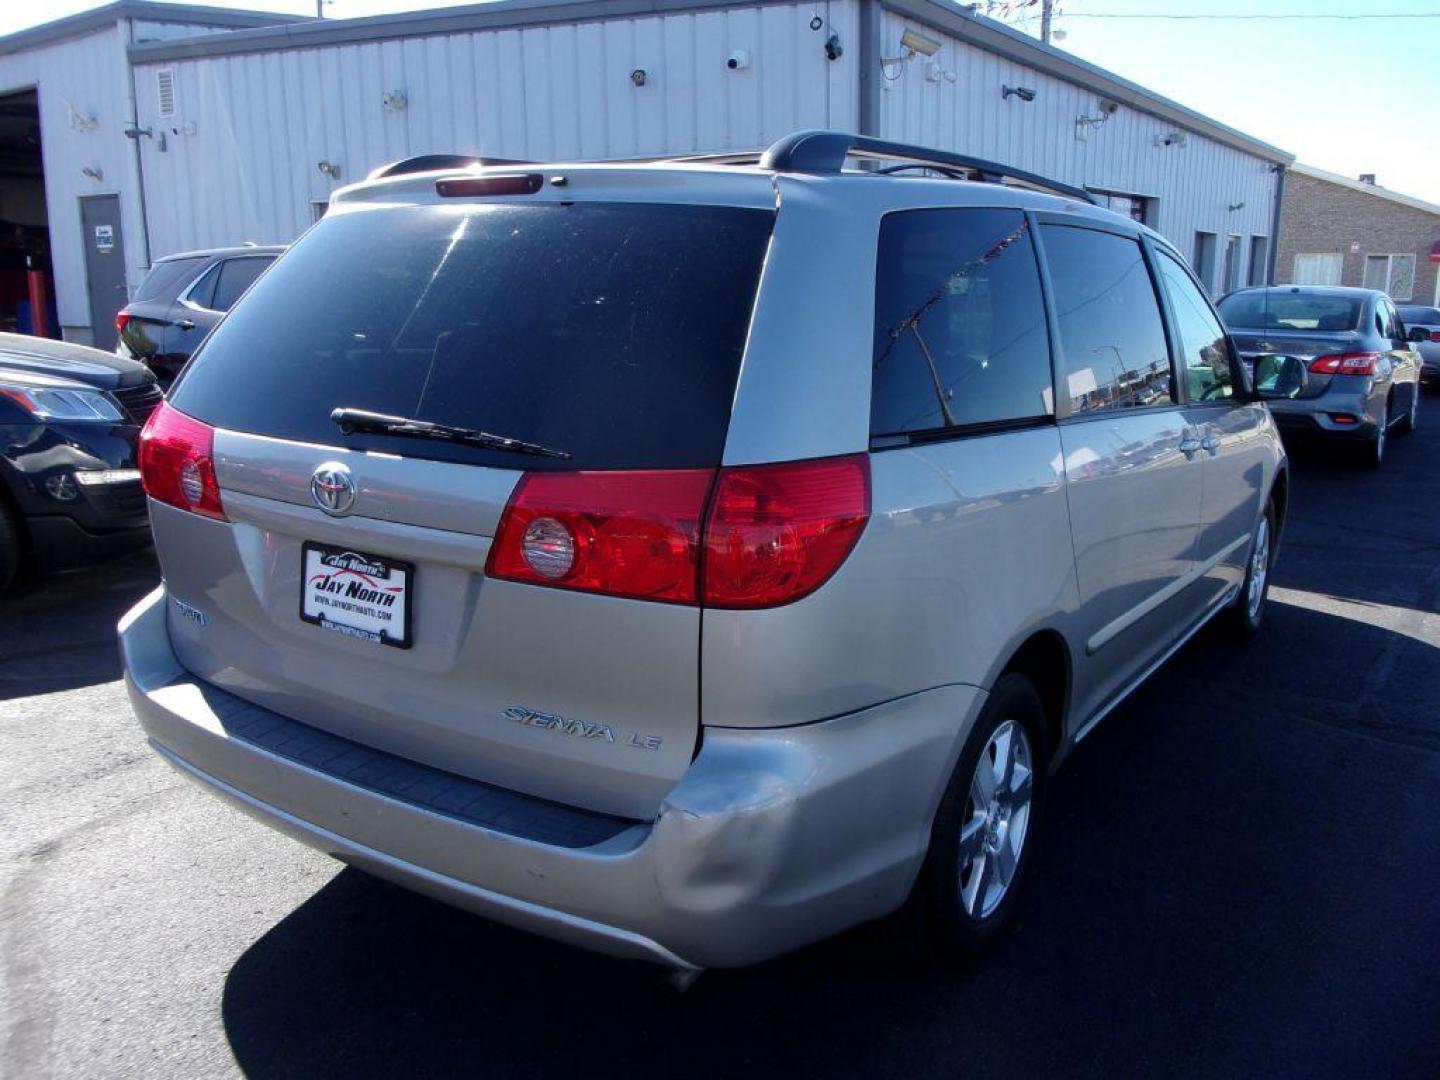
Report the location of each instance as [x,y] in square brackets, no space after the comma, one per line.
[1392,274]
[1318,269]
[1259,260]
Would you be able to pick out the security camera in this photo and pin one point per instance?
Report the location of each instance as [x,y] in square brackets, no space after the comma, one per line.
[738,60]
[1109,108]
[1024,93]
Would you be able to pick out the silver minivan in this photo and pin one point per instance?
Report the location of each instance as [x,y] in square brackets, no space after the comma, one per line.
[691,560]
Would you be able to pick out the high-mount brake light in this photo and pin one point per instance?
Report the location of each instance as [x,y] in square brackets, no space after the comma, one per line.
[1350,363]
[507,184]
[767,534]
[177,462]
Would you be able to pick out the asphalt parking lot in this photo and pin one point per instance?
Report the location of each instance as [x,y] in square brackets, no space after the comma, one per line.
[1241,875]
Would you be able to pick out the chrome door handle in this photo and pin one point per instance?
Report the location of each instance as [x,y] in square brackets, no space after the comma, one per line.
[186,324]
[1211,443]
[1190,444]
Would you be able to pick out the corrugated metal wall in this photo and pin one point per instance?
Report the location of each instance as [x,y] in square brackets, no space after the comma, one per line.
[262,122]
[1195,184]
[91,74]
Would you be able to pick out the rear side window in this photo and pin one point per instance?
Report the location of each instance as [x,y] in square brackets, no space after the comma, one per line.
[1203,345]
[612,331]
[166,279]
[1422,315]
[960,335]
[236,275]
[1110,328]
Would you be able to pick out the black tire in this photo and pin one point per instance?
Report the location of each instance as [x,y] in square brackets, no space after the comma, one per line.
[1245,617]
[1372,451]
[11,548]
[1411,420]
[933,928]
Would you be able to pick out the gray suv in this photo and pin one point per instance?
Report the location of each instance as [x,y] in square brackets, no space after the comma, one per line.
[690,560]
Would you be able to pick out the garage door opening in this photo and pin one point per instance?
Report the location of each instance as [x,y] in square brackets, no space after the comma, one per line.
[24,217]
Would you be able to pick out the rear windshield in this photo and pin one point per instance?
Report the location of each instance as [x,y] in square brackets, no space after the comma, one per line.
[612,331]
[167,279]
[1290,311]
[1421,315]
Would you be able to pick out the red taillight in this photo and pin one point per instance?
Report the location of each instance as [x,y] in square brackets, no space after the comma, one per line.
[1350,363]
[1435,335]
[633,534]
[513,184]
[122,320]
[772,534]
[777,532]
[177,462]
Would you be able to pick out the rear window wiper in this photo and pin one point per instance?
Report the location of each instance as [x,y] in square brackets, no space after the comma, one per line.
[353,421]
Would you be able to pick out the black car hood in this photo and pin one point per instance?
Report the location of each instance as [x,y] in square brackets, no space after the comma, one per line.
[77,363]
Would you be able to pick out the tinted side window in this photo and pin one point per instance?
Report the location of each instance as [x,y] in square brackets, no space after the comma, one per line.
[205,288]
[1110,328]
[1202,339]
[236,275]
[959,322]
[166,279]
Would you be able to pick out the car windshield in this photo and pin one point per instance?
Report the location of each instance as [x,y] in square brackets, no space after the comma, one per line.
[611,330]
[1423,316]
[1274,310]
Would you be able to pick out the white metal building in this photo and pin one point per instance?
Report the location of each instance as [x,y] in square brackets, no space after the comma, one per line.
[244,133]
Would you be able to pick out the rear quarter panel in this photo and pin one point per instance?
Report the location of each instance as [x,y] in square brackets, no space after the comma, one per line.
[967,551]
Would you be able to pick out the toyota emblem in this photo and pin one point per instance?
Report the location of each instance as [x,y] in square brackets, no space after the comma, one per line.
[333,489]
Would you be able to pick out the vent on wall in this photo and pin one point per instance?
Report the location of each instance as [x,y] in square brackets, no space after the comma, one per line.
[165,91]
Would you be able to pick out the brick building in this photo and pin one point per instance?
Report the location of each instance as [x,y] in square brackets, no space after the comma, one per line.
[1338,231]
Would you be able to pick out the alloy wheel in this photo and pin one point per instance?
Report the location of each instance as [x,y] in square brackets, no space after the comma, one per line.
[1259,569]
[997,819]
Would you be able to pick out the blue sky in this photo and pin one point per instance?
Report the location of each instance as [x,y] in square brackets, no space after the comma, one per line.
[1349,95]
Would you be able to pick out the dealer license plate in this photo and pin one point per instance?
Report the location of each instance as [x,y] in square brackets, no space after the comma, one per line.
[359,595]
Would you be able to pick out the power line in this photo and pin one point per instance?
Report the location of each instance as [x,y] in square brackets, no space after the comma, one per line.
[1293,15]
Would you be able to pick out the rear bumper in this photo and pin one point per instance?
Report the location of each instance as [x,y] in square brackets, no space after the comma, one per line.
[771,839]
[1314,416]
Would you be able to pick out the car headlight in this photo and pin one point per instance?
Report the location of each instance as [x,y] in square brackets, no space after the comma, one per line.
[45,403]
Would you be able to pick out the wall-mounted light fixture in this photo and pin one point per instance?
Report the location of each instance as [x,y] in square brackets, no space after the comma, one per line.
[328,169]
[1235,206]
[134,131]
[1024,93]
[1104,112]
[1174,138]
[81,121]
[913,45]
[94,172]
[738,60]
[833,49]
[912,41]
[639,77]
[394,100]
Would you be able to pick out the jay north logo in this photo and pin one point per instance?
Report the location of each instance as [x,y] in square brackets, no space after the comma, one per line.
[355,578]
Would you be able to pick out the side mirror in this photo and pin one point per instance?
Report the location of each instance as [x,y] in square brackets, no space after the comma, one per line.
[1418,333]
[1280,377]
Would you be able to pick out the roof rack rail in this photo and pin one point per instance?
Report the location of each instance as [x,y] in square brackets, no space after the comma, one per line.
[432,162]
[826,152]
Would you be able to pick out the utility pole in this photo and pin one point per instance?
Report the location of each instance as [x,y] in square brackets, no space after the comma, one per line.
[1047,10]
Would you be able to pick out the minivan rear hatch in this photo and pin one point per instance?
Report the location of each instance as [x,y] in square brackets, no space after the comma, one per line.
[610,333]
